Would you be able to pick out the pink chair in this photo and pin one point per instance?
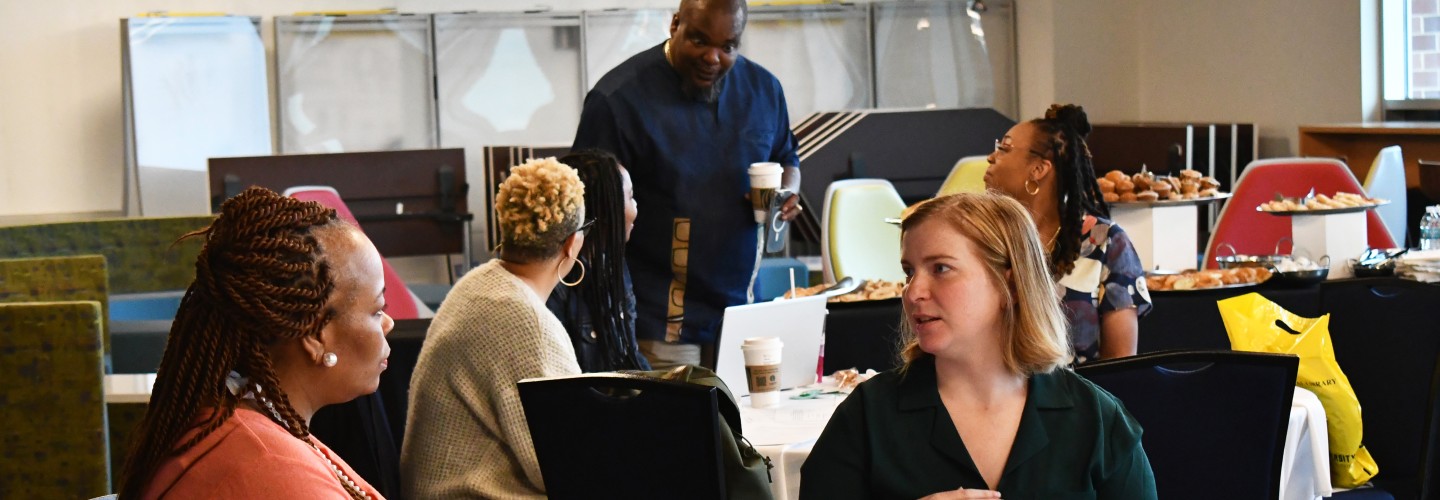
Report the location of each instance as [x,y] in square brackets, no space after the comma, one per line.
[399,302]
[1256,233]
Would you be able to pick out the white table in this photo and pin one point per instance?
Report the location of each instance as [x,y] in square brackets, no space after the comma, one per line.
[128,387]
[786,434]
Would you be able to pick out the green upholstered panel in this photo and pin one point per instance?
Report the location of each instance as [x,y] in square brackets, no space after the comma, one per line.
[49,279]
[138,250]
[52,429]
[124,426]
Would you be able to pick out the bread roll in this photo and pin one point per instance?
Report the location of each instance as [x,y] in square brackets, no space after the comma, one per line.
[1124,186]
[1115,176]
[1161,188]
[1106,185]
[1110,197]
[1127,197]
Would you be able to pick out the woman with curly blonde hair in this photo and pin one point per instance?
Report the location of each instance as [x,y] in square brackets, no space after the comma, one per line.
[466,435]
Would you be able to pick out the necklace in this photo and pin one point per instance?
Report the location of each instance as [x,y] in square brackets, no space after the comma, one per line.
[339,474]
[1053,237]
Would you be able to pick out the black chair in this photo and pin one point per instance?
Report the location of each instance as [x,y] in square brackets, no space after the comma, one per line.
[625,436]
[1387,342]
[1190,320]
[1214,421]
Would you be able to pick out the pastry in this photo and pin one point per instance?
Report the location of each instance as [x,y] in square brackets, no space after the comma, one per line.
[1124,185]
[1110,197]
[1127,197]
[1147,196]
[1106,185]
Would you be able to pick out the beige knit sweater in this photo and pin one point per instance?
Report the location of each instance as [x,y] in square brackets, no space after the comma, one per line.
[466,435]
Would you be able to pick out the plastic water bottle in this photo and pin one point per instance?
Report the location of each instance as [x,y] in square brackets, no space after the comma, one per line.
[1430,229]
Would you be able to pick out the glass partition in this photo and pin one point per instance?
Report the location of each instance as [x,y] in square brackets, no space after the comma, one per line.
[195,88]
[506,79]
[354,83]
[945,54]
[820,54]
[612,36]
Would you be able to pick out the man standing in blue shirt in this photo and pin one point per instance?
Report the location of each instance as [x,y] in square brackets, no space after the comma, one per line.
[687,118]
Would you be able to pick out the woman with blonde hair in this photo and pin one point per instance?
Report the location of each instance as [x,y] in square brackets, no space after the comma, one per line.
[466,435]
[982,405]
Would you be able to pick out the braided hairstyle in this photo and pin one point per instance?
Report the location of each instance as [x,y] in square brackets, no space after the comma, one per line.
[261,278]
[1062,134]
[604,256]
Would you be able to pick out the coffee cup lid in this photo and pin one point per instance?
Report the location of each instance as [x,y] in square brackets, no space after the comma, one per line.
[761,343]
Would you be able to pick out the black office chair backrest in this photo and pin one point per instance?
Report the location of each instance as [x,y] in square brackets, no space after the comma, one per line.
[1214,421]
[1387,342]
[624,436]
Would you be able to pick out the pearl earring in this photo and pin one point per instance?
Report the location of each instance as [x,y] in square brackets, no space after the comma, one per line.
[330,359]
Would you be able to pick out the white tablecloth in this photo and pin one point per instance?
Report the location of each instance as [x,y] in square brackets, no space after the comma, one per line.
[786,434]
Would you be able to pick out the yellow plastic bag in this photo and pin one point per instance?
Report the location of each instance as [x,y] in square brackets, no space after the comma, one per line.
[1257,324]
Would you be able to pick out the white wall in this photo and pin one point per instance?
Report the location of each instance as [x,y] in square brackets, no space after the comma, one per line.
[1278,63]
[1079,52]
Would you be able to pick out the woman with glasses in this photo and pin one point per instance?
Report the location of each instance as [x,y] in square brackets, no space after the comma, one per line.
[466,435]
[599,313]
[1045,164]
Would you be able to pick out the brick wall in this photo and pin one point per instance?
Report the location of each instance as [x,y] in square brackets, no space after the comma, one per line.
[1424,49]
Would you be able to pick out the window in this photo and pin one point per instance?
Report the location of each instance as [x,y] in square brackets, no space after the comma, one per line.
[1410,41]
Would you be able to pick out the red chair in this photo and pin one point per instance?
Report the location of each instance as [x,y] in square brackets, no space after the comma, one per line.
[1256,233]
[399,302]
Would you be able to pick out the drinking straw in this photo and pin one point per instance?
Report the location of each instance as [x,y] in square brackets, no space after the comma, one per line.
[792,282]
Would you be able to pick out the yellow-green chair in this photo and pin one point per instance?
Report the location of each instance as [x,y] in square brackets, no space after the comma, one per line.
[140,253]
[52,391]
[968,176]
[856,240]
[47,279]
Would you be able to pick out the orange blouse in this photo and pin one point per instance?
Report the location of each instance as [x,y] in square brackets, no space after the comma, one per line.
[251,456]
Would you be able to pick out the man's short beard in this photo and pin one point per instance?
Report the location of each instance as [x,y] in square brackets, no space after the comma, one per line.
[704,95]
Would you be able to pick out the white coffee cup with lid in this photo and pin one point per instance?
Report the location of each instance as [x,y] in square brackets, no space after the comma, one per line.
[762,370]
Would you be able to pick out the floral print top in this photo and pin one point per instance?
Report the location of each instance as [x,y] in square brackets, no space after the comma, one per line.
[1107,276]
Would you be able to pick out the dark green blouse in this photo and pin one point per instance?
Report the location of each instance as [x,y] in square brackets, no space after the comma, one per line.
[892,438]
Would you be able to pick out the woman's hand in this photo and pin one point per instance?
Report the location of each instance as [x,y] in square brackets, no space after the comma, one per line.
[962,493]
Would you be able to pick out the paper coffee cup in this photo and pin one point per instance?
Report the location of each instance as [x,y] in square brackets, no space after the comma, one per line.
[762,370]
[765,178]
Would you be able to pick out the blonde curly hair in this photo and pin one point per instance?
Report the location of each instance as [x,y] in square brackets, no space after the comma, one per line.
[539,205]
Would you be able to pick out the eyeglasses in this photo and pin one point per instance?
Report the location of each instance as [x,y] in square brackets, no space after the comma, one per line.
[1007,148]
[586,226]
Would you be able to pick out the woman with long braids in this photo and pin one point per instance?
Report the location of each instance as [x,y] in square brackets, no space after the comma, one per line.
[599,313]
[1045,164]
[467,436]
[286,315]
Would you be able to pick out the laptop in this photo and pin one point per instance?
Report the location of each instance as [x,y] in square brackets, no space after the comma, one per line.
[800,325]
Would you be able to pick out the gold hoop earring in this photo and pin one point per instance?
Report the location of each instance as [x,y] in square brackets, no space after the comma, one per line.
[577,280]
[1028,182]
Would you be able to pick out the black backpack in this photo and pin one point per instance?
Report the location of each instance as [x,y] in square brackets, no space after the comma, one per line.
[747,472]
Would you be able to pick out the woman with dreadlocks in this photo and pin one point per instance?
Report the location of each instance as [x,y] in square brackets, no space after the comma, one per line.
[467,436]
[1045,164]
[285,316]
[599,313]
